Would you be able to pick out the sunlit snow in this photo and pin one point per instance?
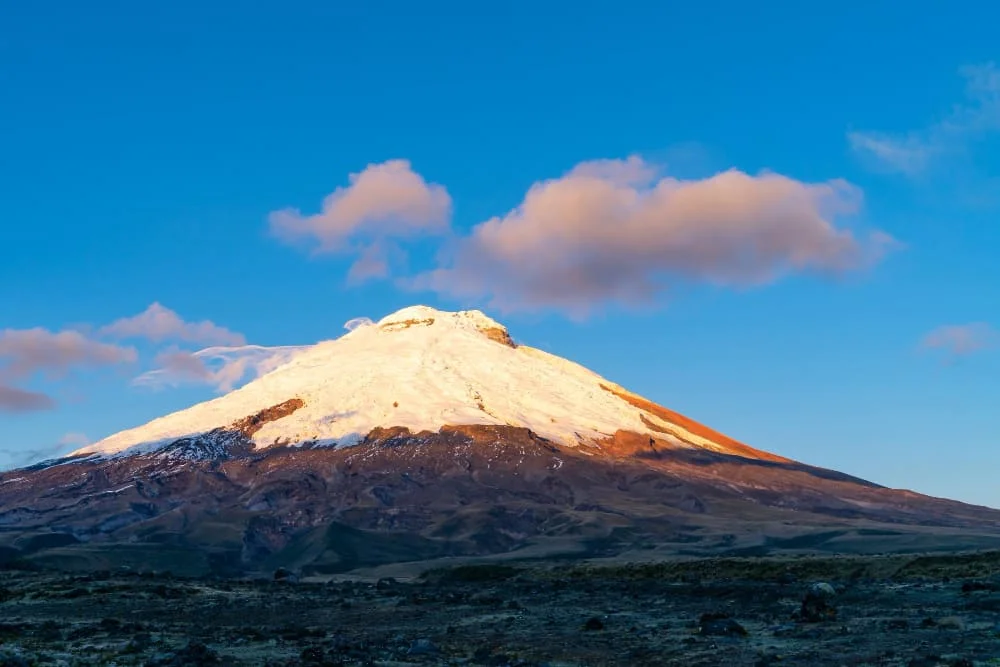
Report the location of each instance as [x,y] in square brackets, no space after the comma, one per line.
[420,368]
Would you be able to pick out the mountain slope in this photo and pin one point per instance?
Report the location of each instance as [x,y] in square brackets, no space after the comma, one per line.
[430,435]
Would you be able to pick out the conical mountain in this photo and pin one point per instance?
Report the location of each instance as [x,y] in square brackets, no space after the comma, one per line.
[432,434]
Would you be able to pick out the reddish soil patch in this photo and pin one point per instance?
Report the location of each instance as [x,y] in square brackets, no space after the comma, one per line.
[734,446]
[250,425]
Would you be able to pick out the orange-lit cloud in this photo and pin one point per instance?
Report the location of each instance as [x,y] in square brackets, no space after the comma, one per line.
[616,231]
[25,351]
[158,323]
[386,200]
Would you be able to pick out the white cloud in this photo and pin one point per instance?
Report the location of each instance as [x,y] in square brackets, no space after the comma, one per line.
[913,153]
[74,439]
[612,231]
[357,322]
[222,367]
[907,155]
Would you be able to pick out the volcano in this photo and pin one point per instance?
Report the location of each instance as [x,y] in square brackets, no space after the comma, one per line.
[433,435]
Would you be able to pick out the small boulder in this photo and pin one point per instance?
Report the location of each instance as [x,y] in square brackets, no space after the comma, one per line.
[13,658]
[312,655]
[720,625]
[284,575]
[195,654]
[977,586]
[817,605]
[786,578]
[423,647]
[386,584]
[593,623]
[951,623]
[823,589]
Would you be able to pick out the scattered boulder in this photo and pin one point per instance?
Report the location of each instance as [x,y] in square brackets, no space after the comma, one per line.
[593,623]
[767,660]
[386,583]
[925,661]
[720,625]
[817,605]
[286,576]
[195,654]
[312,655]
[787,577]
[951,623]
[976,586]
[110,624]
[13,658]
[423,647]
[823,589]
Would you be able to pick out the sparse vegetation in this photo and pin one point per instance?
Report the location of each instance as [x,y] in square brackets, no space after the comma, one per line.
[891,610]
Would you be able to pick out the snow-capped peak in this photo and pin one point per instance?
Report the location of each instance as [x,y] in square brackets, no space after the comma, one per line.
[420,368]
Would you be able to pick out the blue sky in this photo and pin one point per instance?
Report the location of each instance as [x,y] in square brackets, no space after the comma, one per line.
[147,148]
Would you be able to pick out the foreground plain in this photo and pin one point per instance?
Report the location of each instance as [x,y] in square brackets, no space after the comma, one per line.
[914,611]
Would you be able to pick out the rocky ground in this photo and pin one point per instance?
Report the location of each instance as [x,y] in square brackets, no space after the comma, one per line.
[890,610]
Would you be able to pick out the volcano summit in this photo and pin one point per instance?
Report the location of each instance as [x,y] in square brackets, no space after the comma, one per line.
[432,434]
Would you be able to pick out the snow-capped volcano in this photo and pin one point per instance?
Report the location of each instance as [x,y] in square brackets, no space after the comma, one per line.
[433,435]
[422,369]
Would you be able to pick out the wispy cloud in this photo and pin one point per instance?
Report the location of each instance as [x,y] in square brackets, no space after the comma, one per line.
[221,367]
[615,231]
[384,201]
[158,324]
[18,458]
[914,153]
[961,340]
[74,439]
[357,323]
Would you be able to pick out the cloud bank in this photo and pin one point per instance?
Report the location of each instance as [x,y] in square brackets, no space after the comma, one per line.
[614,231]
[27,352]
